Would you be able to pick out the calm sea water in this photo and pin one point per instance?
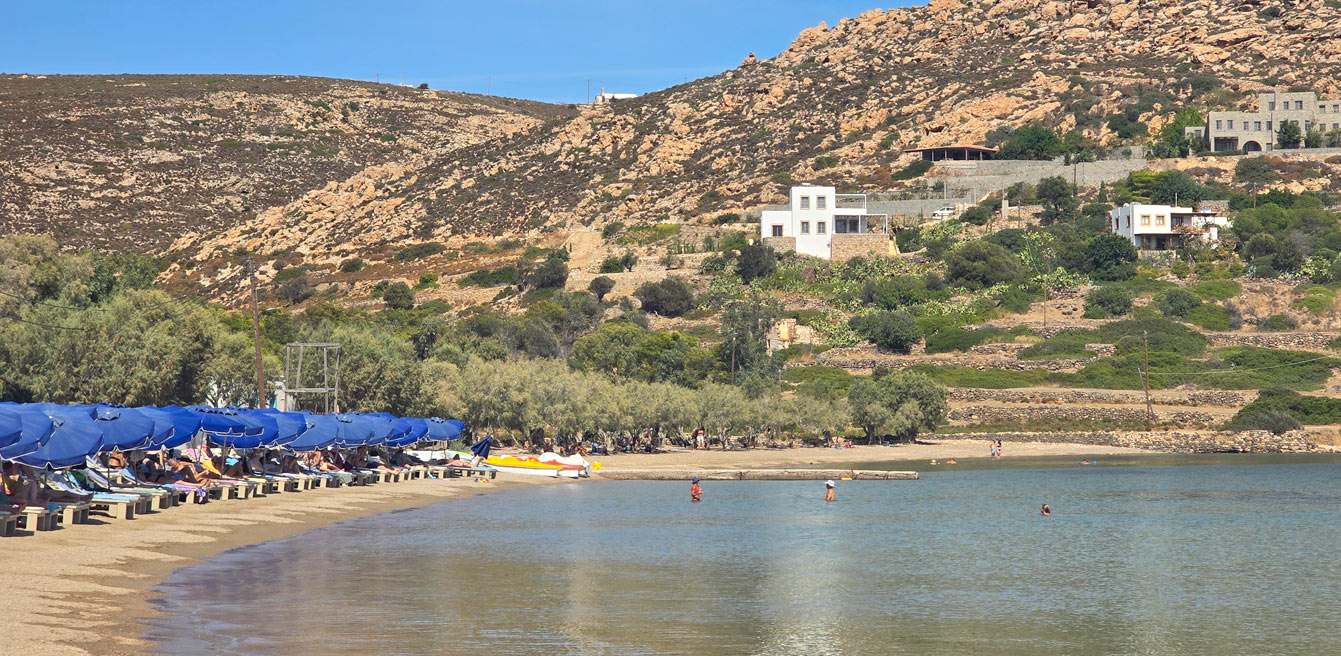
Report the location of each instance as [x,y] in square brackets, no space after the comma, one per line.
[1225,557]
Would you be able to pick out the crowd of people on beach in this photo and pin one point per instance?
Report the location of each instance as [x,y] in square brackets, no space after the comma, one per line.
[121,485]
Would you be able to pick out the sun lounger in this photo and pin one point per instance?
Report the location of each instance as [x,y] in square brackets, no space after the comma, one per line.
[157,494]
[455,471]
[8,524]
[74,513]
[122,506]
[38,518]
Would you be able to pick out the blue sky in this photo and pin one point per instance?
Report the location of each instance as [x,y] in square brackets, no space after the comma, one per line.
[531,49]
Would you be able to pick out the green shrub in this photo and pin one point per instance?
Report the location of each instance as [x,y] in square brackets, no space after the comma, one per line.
[612,264]
[353,266]
[418,251]
[1178,302]
[826,162]
[398,296]
[1278,323]
[671,297]
[1219,290]
[955,338]
[782,178]
[976,215]
[600,286]
[819,381]
[504,275]
[978,264]
[1270,408]
[990,378]
[894,331]
[915,170]
[289,273]
[1209,316]
[1063,345]
[1107,301]
[611,229]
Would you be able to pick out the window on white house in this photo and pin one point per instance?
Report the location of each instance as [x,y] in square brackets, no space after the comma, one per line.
[805,227]
[1145,219]
[1257,125]
[1299,104]
[1271,107]
[820,202]
[1159,220]
[1217,124]
[1231,123]
[777,230]
[805,202]
[819,228]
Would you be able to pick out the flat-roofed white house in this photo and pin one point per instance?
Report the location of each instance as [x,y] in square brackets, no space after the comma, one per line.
[821,222]
[1165,227]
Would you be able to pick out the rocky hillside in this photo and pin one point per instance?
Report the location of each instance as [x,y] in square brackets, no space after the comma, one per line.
[839,105]
[133,161]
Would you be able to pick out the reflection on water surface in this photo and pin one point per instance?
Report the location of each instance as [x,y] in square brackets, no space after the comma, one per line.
[1136,560]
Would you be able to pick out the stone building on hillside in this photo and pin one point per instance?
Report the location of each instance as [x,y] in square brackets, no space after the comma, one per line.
[826,224]
[1256,131]
[1165,227]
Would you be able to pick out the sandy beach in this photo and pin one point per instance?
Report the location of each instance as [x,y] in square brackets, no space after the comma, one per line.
[84,589]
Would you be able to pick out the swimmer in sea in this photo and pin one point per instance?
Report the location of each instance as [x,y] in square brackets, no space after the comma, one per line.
[695,492]
[828,490]
[1046,511]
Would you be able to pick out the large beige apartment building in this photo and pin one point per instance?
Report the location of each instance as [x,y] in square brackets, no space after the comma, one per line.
[1256,131]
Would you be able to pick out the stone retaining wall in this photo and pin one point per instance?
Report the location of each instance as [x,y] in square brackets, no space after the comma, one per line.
[982,414]
[864,358]
[1217,398]
[1168,441]
[1291,340]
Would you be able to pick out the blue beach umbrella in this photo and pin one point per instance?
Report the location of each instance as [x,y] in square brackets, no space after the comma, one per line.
[11,428]
[353,431]
[226,427]
[185,424]
[75,435]
[383,426]
[443,429]
[482,447]
[289,425]
[320,432]
[122,428]
[35,429]
[410,430]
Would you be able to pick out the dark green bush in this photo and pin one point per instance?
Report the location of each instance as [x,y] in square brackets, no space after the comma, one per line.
[914,170]
[894,331]
[289,273]
[979,264]
[504,275]
[1107,301]
[418,251]
[1178,302]
[1278,323]
[671,297]
[353,265]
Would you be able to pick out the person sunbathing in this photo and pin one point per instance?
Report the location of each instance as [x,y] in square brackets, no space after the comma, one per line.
[25,487]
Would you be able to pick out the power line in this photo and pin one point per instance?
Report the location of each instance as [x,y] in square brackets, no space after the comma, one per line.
[171,300]
[47,325]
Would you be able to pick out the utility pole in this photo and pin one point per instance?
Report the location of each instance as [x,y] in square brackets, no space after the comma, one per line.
[1145,380]
[256,337]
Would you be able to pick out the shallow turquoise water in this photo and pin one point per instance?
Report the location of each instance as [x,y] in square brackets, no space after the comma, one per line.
[1206,559]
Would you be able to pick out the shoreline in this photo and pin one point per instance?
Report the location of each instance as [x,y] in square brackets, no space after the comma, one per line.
[87,589]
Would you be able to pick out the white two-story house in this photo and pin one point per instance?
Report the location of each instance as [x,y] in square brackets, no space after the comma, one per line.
[819,220]
[1165,227]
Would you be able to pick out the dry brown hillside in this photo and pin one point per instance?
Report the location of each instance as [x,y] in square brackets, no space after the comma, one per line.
[133,161]
[839,105]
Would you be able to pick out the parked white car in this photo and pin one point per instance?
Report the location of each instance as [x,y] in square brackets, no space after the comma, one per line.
[946,212]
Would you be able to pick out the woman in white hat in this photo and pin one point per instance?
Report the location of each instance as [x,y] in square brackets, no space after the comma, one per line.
[828,490]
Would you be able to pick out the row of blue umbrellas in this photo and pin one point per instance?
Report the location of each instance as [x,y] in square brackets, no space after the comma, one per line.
[49,435]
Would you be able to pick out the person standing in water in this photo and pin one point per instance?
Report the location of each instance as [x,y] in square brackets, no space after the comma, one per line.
[828,490]
[695,492]
[1046,511]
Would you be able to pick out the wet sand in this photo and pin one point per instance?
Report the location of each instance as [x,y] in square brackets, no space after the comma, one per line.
[84,589]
